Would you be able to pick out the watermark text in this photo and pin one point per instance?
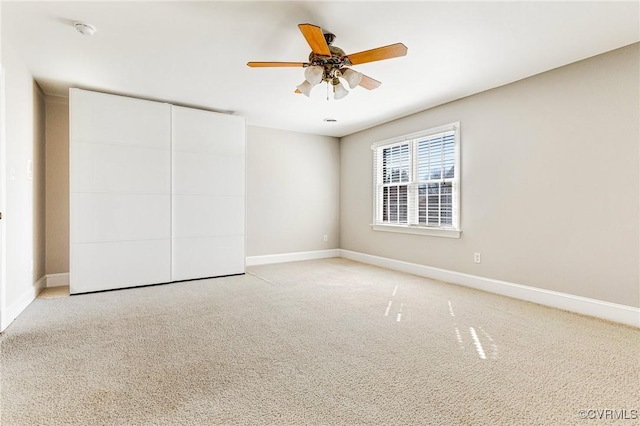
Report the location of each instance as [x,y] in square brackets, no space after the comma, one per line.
[608,414]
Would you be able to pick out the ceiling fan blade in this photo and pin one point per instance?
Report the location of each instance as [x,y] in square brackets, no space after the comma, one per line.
[379,54]
[275,64]
[315,37]
[369,83]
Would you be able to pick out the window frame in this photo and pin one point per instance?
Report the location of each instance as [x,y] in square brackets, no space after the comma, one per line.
[412,227]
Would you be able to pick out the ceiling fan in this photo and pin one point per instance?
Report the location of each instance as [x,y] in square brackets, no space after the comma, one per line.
[329,63]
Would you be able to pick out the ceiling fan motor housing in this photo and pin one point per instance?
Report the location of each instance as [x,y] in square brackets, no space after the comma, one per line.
[329,37]
[330,64]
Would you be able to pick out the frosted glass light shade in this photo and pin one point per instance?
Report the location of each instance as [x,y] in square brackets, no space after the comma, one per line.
[352,77]
[305,87]
[313,74]
[339,91]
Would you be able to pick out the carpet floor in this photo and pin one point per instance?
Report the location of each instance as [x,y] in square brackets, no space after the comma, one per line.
[316,342]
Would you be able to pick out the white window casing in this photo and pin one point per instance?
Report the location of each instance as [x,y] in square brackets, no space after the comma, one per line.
[416,183]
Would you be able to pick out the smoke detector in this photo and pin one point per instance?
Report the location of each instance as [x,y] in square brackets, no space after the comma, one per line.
[85,29]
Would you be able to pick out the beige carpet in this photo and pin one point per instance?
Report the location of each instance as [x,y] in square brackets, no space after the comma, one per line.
[318,342]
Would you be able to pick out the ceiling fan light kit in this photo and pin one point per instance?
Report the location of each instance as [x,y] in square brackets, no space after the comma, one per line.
[305,88]
[329,63]
[314,74]
[339,91]
[353,77]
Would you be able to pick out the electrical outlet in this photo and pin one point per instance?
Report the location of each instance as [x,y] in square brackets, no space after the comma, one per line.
[326,237]
[476,257]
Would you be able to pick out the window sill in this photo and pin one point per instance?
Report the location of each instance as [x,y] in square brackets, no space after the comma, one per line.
[418,230]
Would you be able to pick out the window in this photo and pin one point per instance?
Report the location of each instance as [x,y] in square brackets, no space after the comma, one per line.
[416,183]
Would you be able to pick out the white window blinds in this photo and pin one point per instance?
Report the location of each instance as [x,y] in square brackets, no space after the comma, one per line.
[416,180]
[396,171]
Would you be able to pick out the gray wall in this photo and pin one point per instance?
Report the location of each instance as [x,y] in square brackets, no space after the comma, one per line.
[550,182]
[293,187]
[57,193]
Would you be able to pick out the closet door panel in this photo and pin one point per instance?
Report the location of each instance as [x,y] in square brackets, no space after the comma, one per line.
[120,191]
[208,215]
[120,264]
[206,132]
[113,216]
[204,173]
[120,120]
[125,169]
[203,257]
[208,194]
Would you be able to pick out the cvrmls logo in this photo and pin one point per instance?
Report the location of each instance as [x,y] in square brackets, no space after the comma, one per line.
[609,414]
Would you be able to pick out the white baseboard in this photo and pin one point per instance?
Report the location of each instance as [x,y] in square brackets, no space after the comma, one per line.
[58,280]
[291,257]
[583,305]
[12,311]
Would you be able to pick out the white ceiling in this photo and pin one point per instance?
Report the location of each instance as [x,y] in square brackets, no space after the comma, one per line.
[195,53]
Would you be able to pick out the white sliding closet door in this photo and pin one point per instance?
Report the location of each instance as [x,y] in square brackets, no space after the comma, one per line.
[208,194]
[120,192]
